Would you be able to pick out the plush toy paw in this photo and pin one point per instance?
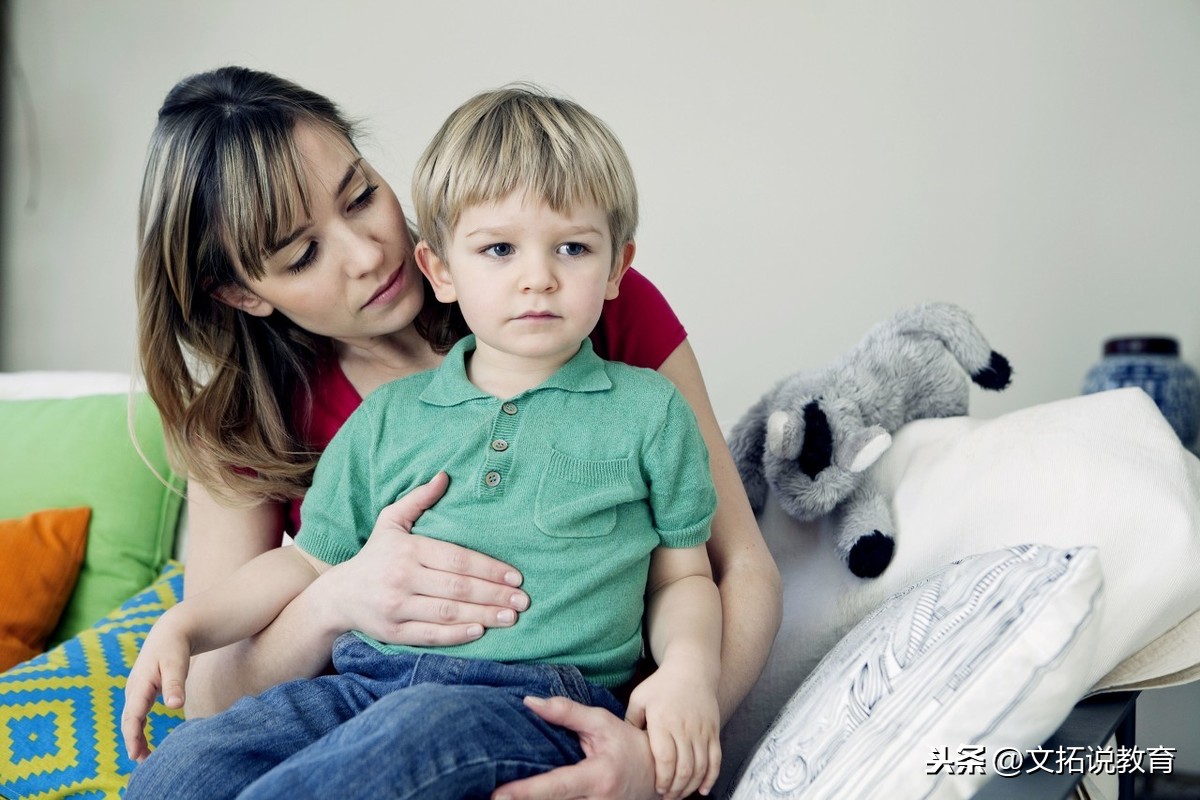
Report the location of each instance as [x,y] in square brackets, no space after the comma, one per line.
[996,375]
[871,554]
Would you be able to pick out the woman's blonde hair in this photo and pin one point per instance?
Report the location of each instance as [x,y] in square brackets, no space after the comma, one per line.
[223,181]
[521,137]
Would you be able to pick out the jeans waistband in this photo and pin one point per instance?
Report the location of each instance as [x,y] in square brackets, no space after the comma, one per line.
[352,655]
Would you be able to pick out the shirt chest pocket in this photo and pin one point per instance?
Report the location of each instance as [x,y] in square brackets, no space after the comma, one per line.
[578,498]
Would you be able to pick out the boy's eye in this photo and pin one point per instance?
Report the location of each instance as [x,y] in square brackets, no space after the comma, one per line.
[573,249]
[501,250]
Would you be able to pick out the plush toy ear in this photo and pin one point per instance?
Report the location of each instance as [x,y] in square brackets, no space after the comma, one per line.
[864,448]
[783,439]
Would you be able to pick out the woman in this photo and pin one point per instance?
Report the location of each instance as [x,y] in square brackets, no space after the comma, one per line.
[276,288]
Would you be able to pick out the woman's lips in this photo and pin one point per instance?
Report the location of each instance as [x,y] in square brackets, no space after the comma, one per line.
[389,290]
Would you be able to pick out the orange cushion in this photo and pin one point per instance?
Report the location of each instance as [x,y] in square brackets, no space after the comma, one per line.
[43,552]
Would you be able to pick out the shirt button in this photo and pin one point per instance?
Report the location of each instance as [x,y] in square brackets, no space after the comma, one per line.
[499,445]
[509,408]
[492,479]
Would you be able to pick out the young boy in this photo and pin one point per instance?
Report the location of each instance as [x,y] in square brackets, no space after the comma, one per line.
[588,475]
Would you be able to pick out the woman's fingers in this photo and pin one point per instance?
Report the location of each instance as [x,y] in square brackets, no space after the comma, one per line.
[617,764]
[565,783]
[404,512]
[441,611]
[403,600]
[417,565]
[583,720]
[453,560]
[411,589]
[432,634]
[441,582]
[449,571]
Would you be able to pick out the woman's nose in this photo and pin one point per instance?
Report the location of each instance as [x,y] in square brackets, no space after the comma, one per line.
[362,253]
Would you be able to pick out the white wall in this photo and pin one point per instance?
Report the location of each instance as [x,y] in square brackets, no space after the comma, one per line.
[806,167]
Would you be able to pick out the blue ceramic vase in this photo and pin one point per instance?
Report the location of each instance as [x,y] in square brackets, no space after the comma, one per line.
[1153,363]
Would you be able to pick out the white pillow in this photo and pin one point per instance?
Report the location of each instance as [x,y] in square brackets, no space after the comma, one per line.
[989,652]
[1104,469]
[38,384]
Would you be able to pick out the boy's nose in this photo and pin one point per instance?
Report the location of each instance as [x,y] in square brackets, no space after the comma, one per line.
[538,276]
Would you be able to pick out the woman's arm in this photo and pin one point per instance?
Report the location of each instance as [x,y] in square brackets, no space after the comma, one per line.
[639,327]
[295,645]
[399,588]
[618,764]
[745,572]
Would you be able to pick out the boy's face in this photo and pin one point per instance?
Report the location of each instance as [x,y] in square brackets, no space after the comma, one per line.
[530,281]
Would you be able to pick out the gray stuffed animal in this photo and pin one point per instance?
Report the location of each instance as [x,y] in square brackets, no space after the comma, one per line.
[813,435]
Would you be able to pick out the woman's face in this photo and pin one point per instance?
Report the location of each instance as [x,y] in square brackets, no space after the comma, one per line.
[347,272]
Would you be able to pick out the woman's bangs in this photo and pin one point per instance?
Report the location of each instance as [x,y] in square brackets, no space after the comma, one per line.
[265,198]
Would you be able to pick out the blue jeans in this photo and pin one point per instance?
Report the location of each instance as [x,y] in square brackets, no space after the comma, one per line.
[387,726]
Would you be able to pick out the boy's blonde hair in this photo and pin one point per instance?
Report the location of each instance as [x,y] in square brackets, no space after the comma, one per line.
[521,137]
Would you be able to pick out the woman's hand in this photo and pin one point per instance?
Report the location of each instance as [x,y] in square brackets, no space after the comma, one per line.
[403,588]
[617,764]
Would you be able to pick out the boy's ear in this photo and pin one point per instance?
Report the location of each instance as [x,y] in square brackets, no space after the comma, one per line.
[241,298]
[435,271]
[624,260]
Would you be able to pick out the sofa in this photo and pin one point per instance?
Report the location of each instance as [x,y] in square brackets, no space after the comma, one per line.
[89,518]
[1042,556]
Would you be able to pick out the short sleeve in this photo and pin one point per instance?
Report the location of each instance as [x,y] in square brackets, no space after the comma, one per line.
[682,497]
[339,509]
[638,326]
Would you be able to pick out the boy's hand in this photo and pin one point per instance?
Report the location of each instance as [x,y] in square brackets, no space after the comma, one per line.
[161,667]
[681,717]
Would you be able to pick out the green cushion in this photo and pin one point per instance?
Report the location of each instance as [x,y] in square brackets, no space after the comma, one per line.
[60,712]
[78,451]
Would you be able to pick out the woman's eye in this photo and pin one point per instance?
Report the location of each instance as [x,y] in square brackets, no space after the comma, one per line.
[364,199]
[307,258]
[573,249]
[501,250]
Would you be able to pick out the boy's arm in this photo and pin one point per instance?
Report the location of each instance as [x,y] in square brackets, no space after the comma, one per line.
[238,607]
[678,703]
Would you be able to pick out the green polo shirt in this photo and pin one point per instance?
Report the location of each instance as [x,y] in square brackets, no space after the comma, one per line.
[573,482]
